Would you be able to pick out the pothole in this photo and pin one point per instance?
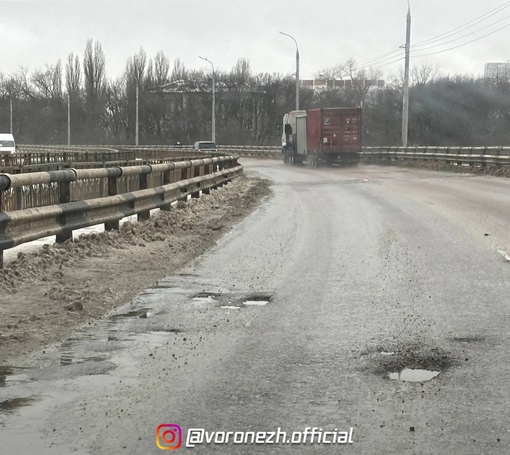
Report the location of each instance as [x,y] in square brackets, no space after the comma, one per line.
[413,363]
[206,297]
[141,313]
[414,375]
[259,299]
[16,403]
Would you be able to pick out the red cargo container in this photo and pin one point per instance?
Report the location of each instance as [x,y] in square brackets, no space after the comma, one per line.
[334,134]
[322,135]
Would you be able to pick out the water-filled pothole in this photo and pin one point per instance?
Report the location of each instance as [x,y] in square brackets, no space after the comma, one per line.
[141,313]
[414,375]
[411,363]
[260,299]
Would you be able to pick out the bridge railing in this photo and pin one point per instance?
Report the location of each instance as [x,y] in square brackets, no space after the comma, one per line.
[39,204]
[33,157]
[472,156]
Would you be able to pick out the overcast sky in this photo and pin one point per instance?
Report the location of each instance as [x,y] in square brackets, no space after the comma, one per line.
[39,32]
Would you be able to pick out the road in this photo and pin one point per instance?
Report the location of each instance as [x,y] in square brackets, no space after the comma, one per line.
[300,318]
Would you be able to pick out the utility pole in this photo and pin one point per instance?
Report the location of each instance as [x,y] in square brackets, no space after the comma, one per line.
[136,115]
[405,103]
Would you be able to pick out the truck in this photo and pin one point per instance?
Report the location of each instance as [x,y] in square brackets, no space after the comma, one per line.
[328,135]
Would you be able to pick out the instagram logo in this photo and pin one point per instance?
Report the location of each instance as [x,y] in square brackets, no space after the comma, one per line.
[169,436]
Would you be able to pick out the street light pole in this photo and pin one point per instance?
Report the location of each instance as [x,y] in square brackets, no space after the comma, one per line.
[405,102]
[68,117]
[10,110]
[213,120]
[297,69]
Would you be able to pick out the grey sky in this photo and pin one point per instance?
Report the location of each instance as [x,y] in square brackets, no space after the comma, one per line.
[39,32]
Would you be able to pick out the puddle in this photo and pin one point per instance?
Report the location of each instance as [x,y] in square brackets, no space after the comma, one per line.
[230,307]
[16,403]
[255,302]
[206,297]
[142,313]
[209,299]
[257,299]
[412,375]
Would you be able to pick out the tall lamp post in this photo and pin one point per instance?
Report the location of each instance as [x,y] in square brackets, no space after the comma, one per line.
[213,121]
[297,69]
[405,102]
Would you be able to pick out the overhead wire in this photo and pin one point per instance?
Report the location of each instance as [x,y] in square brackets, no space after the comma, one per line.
[465,26]
[415,47]
[463,44]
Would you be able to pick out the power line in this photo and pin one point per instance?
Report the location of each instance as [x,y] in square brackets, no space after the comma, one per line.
[460,37]
[466,25]
[399,59]
[464,44]
[381,57]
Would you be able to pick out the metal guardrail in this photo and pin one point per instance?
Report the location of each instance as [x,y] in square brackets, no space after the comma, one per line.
[472,156]
[32,155]
[39,204]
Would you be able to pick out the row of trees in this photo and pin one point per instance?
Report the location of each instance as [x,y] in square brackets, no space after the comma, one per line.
[175,103]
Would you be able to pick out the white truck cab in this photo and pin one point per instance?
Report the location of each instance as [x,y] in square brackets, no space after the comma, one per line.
[7,144]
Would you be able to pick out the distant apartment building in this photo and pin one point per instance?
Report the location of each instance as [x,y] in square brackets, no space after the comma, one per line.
[318,85]
[497,71]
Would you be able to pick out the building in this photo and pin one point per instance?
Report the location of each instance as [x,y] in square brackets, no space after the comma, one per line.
[318,85]
[497,71]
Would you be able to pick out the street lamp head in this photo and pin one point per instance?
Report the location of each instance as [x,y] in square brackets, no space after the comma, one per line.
[207,60]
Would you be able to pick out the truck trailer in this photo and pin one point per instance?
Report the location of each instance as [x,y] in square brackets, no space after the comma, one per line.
[329,135]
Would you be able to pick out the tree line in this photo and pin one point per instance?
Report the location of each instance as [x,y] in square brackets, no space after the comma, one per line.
[174,103]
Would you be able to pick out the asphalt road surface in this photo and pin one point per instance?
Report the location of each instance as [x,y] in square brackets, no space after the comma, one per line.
[301,325]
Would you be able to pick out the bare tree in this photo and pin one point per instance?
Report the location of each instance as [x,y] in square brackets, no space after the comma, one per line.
[94,69]
[73,74]
[161,69]
[355,81]
[49,81]
[425,73]
[136,66]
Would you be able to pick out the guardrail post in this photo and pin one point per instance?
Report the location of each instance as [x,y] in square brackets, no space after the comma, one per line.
[195,172]
[184,176]
[145,215]
[167,178]
[112,191]
[64,196]
[19,197]
[207,171]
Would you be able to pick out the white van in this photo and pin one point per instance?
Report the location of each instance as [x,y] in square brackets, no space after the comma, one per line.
[7,144]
